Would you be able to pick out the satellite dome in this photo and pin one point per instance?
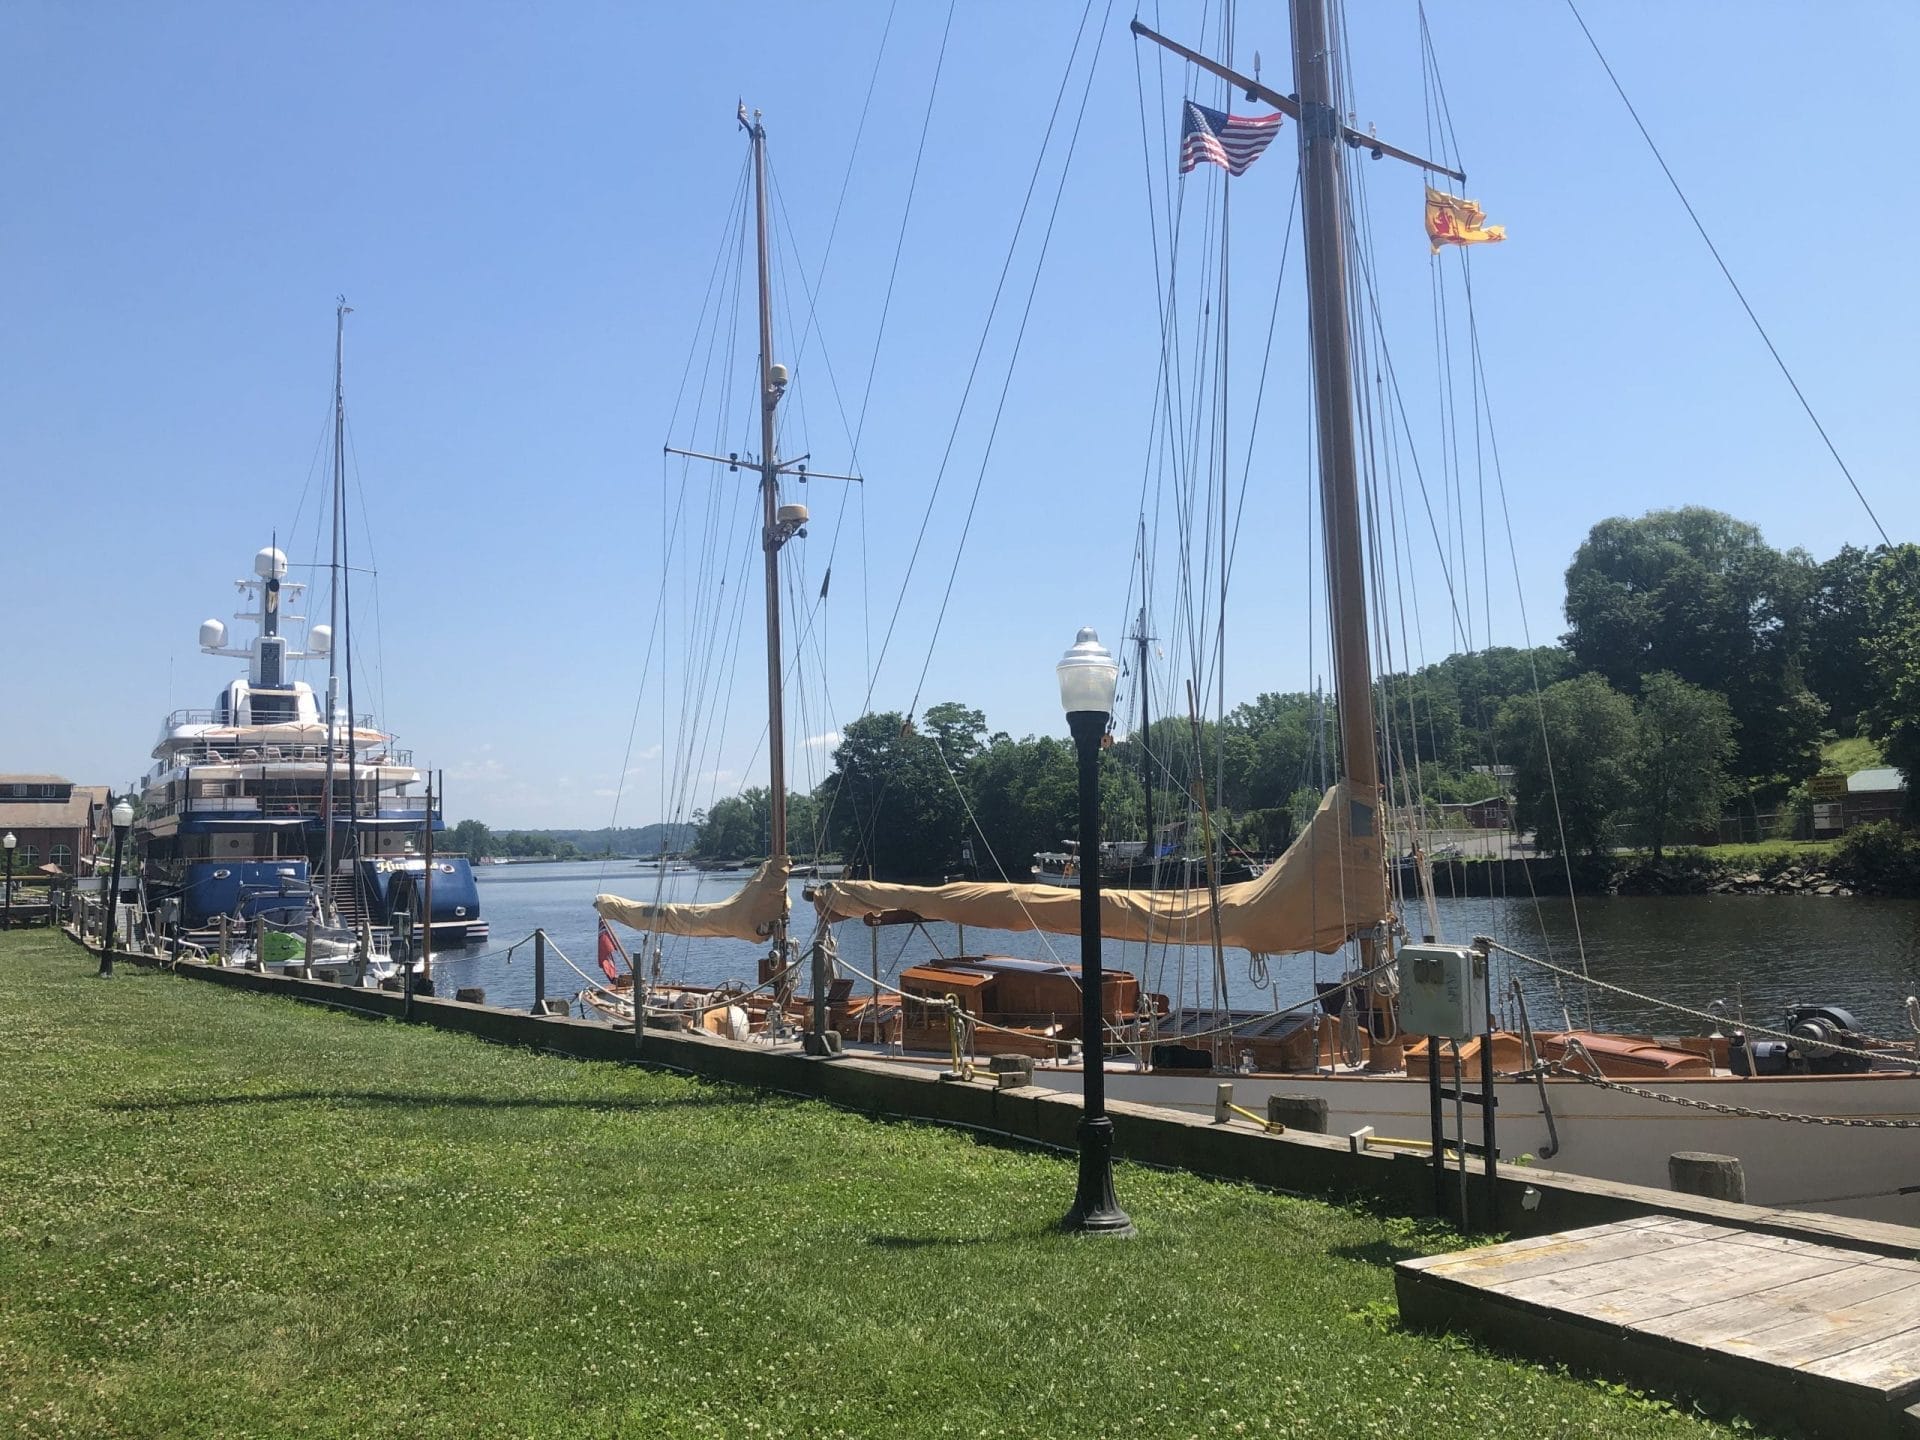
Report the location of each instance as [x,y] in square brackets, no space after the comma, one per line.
[320,639]
[213,635]
[270,564]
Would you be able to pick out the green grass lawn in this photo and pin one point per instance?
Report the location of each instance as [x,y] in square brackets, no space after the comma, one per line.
[1800,852]
[224,1214]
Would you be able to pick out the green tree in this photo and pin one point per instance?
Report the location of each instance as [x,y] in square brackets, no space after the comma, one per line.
[734,828]
[1839,668]
[1025,794]
[1701,595]
[471,838]
[1685,742]
[740,827]
[1272,749]
[957,730]
[1571,747]
[891,802]
[1893,651]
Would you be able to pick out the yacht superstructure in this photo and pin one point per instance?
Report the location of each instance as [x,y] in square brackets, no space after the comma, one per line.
[256,803]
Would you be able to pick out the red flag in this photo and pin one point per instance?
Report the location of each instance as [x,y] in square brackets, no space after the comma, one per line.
[609,947]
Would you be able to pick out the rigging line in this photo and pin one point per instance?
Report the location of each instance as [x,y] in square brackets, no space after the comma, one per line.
[900,239]
[1739,294]
[1033,181]
[1260,390]
[727,227]
[987,844]
[1526,629]
[671,531]
[833,381]
[853,156]
[372,570]
[1413,452]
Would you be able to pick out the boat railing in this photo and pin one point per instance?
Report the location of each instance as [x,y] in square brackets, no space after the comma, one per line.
[207,752]
[208,717]
[386,807]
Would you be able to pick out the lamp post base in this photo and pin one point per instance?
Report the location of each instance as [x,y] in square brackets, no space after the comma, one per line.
[1095,1211]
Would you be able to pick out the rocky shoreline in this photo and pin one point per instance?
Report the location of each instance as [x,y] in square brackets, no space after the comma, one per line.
[1664,879]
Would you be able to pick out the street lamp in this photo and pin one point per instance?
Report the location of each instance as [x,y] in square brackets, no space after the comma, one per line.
[122,818]
[7,842]
[1088,675]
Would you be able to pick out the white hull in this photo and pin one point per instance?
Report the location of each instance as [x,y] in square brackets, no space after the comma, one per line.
[1610,1135]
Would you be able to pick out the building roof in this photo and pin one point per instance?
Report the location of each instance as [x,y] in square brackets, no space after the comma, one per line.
[1876,781]
[34,780]
[70,814]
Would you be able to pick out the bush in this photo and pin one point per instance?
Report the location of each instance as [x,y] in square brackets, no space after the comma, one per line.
[1883,857]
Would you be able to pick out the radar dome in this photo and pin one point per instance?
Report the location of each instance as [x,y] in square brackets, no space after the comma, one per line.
[213,635]
[320,639]
[270,564]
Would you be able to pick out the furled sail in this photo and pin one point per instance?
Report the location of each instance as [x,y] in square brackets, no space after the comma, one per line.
[750,913]
[1330,884]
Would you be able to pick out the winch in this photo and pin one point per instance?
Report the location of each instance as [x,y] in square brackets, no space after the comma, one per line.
[1816,1031]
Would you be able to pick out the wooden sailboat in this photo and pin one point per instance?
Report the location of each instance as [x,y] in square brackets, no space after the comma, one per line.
[1605,1105]
[1609,1106]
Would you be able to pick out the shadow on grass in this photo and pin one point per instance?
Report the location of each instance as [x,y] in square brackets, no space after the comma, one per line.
[961,1242]
[1383,1252]
[421,1100]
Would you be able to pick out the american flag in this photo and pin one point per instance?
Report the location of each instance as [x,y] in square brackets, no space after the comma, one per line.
[1233,142]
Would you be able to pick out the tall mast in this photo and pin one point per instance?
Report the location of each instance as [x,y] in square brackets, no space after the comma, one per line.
[1140,638]
[771,536]
[1323,136]
[340,313]
[1322,212]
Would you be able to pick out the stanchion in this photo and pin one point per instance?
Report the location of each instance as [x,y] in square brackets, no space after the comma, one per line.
[539,972]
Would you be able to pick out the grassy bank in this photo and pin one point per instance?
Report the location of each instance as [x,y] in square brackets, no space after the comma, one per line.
[223,1214]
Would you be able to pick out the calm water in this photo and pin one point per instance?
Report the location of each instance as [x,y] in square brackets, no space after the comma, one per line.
[1759,953]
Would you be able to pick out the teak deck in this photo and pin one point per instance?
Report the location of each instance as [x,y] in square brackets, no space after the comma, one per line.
[1780,1330]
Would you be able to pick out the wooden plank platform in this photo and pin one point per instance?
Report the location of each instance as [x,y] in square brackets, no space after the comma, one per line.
[1783,1331]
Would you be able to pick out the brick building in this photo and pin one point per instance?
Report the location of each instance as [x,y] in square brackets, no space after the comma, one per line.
[53,821]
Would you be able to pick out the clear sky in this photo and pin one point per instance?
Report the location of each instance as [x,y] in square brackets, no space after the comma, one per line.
[523,204]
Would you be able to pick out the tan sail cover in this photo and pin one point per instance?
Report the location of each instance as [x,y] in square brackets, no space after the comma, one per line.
[1330,884]
[750,913]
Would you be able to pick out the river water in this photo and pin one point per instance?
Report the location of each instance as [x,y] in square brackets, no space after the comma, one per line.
[1758,953]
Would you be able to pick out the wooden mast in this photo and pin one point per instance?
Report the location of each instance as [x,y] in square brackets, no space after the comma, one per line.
[771,536]
[1323,139]
[1323,218]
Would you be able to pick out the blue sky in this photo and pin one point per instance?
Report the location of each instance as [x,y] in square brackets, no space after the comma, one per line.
[523,205]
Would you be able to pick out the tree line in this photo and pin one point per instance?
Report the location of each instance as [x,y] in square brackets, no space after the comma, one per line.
[477,840]
[1701,669]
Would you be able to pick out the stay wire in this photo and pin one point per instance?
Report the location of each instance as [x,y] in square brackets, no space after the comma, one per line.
[1013,359]
[1739,294]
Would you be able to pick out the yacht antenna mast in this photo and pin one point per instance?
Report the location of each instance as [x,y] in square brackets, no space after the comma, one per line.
[340,312]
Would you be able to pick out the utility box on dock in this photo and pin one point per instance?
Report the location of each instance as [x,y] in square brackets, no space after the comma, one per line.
[1443,991]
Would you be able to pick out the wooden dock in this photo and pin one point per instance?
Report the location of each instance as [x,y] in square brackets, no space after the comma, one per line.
[1783,1331]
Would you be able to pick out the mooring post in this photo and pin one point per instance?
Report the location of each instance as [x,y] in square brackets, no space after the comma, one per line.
[306,957]
[539,971]
[226,938]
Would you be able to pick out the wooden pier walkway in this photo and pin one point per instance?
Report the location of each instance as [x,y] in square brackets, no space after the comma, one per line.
[1787,1331]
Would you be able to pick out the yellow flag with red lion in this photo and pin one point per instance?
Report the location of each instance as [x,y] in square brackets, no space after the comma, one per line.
[1456,220]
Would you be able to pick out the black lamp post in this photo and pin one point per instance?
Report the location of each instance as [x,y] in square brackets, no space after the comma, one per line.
[1088,675]
[7,842]
[122,818]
